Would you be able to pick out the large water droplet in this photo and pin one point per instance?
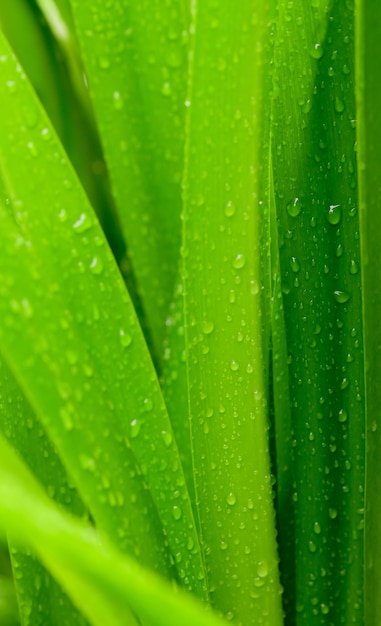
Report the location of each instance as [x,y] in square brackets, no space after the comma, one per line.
[207,327]
[135,428]
[334,214]
[262,569]
[294,207]
[230,209]
[231,499]
[316,51]
[343,415]
[176,512]
[239,261]
[96,266]
[125,338]
[341,296]
[83,223]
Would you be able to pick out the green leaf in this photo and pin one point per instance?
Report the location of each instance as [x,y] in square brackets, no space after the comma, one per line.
[225,266]
[315,184]
[40,599]
[105,585]
[135,60]
[368,93]
[95,391]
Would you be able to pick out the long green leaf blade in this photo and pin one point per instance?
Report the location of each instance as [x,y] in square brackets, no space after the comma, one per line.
[315,181]
[368,51]
[135,59]
[86,390]
[224,273]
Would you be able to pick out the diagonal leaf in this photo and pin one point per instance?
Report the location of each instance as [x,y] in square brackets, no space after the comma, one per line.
[113,584]
[40,598]
[135,59]
[97,395]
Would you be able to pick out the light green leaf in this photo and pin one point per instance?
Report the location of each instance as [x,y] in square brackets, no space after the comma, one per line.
[95,391]
[135,60]
[225,266]
[40,599]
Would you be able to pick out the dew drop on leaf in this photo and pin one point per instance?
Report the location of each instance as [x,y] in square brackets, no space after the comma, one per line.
[341,296]
[231,499]
[294,207]
[125,338]
[96,266]
[239,261]
[135,428]
[343,416]
[207,327]
[316,51]
[334,214]
[230,209]
[176,512]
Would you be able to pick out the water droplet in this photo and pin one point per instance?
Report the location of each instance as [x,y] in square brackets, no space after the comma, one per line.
[207,327]
[168,439]
[234,366]
[147,405]
[118,101]
[339,105]
[317,528]
[294,264]
[223,545]
[96,266]
[343,416]
[294,207]
[312,546]
[324,609]
[135,428]
[125,338]
[353,267]
[83,223]
[239,261]
[334,214]
[32,148]
[190,543]
[341,296]
[176,512]
[339,250]
[230,209]
[316,51]
[262,569]
[231,499]
[62,216]
[187,103]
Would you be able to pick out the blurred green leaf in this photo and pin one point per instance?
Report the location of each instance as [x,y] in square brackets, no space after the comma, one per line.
[105,585]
